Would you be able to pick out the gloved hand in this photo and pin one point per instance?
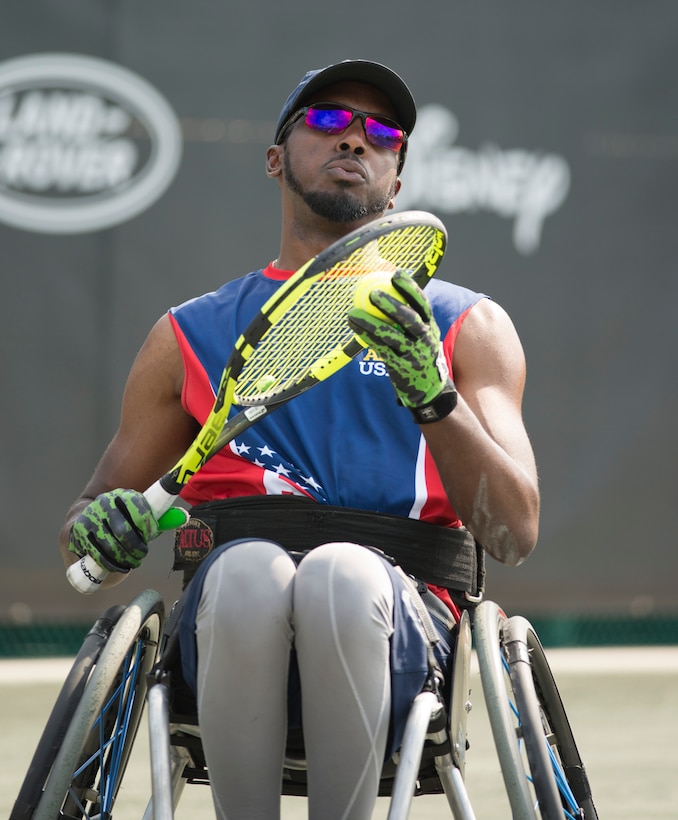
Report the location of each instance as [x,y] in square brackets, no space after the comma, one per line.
[409,344]
[114,529]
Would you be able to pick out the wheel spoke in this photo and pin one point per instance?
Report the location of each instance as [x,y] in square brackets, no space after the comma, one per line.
[88,768]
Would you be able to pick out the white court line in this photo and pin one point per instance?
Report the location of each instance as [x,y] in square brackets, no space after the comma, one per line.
[34,670]
[653,660]
[615,660]
[610,660]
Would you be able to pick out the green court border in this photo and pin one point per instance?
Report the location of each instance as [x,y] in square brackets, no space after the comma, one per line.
[51,640]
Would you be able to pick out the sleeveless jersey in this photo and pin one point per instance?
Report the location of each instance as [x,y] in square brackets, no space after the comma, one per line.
[346,442]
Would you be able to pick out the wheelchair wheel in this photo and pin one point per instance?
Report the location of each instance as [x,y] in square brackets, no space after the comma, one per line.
[91,761]
[62,714]
[536,692]
[542,769]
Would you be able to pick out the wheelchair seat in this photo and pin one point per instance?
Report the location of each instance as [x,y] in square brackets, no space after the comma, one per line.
[435,768]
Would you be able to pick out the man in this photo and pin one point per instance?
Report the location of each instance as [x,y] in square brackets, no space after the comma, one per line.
[269,639]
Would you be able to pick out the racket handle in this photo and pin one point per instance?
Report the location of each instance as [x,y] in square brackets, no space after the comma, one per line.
[86,576]
[159,500]
[162,506]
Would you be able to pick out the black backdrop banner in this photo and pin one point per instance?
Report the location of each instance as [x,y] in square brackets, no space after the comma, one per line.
[132,142]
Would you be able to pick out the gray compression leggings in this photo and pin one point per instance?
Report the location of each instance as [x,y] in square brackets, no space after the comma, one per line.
[337,608]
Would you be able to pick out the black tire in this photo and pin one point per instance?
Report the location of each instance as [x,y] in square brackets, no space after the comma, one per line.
[89,766]
[549,740]
[543,772]
[62,713]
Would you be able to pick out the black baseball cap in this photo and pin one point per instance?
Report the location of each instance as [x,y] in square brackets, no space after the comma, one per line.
[363,71]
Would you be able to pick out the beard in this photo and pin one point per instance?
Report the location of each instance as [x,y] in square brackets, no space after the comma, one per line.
[342,206]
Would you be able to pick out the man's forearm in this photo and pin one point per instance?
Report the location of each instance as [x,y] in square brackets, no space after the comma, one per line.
[493,493]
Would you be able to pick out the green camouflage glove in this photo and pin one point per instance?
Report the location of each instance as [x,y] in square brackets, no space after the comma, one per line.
[114,529]
[409,344]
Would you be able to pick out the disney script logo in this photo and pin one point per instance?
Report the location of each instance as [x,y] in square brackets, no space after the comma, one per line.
[518,184]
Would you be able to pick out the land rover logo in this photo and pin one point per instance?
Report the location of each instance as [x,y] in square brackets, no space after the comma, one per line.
[84,144]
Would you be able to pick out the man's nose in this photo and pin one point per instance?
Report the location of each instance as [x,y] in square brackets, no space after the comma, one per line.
[353,138]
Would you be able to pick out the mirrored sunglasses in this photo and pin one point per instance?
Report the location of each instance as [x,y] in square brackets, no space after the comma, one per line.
[331,118]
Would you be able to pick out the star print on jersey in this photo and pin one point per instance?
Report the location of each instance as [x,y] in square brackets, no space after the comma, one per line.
[271,461]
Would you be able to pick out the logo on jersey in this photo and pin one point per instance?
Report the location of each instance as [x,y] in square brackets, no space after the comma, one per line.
[372,365]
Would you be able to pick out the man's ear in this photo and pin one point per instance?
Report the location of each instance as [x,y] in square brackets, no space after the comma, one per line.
[274,161]
[396,188]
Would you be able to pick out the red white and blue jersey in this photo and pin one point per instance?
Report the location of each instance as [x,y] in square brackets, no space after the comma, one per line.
[346,442]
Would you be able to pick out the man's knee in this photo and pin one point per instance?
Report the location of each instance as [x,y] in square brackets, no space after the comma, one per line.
[345,563]
[349,580]
[249,577]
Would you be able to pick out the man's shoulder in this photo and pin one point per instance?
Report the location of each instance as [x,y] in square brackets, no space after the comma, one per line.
[450,300]
[444,290]
[225,297]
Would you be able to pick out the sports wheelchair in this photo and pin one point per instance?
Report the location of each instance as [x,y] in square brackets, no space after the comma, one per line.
[129,658]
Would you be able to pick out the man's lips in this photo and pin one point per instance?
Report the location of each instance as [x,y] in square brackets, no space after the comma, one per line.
[346,169]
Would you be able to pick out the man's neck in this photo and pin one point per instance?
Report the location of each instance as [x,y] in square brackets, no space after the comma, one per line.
[303,240]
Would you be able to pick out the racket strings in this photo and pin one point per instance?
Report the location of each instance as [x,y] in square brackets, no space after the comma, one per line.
[313,324]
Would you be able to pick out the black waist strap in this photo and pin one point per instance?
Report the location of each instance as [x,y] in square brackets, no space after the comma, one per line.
[446,557]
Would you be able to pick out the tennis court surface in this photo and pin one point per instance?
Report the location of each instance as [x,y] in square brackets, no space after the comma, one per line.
[622,703]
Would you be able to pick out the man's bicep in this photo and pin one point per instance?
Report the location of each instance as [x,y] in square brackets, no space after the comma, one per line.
[489,371]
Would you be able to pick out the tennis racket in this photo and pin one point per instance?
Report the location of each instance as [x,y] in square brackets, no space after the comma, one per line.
[299,338]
